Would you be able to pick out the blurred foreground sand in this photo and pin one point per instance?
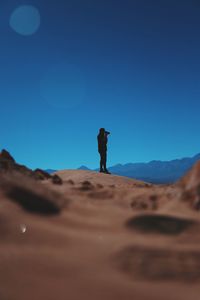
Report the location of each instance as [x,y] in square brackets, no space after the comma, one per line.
[99,236]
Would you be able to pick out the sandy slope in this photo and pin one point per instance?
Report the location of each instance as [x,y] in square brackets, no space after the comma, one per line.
[97,236]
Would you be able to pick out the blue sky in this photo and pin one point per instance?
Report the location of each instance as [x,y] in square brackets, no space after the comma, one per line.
[130,66]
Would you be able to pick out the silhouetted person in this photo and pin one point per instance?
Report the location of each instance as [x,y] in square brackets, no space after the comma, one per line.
[102,149]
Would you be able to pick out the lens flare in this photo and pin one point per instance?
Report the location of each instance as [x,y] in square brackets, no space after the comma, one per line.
[25,20]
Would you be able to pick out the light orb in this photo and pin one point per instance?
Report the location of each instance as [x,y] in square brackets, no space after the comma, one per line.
[25,20]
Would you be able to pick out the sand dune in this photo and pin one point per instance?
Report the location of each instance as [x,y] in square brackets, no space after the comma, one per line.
[99,236]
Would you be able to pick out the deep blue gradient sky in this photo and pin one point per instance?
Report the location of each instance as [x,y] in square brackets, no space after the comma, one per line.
[131,66]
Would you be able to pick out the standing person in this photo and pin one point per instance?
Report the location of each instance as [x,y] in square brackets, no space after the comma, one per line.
[102,149]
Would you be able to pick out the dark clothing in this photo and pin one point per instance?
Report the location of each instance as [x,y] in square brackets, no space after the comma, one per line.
[102,143]
[102,149]
[103,160]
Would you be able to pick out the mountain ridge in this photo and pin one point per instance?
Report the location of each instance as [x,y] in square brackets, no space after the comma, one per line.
[154,171]
[157,171]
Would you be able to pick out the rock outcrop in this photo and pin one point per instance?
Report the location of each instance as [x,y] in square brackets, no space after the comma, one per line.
[8,164]
[190,186]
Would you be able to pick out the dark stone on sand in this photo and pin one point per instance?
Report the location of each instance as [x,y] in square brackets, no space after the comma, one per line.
[57,180]
[41,175]
[33,202]
[159,224]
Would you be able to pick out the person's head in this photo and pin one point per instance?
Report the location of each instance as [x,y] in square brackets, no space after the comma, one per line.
[102,131]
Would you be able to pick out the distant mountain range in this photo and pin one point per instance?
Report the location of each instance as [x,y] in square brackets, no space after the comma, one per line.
[83,168]
[50,171]
[156,171]
[153,171]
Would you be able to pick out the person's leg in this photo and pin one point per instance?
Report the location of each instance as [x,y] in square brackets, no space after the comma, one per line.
[105,162]
[101,162]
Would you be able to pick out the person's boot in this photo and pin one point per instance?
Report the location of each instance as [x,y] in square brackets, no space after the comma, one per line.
[101,170]
[106,171]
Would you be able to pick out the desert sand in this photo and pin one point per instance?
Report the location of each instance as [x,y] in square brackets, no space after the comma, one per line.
[99,236]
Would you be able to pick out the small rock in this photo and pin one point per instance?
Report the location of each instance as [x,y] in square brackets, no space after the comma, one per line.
[41,175]
[56,179]
[70,182]
[100,186]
